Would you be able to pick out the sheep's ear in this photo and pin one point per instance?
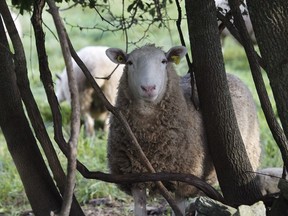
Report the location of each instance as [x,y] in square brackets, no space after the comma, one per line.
[117,56]
[176,53]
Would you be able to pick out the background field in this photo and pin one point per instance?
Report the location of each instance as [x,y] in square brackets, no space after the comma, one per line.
[92,151]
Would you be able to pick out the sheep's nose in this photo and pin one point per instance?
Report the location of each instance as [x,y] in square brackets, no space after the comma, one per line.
[148,89]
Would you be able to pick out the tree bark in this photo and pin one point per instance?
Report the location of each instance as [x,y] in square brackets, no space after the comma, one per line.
[47,81]
[270,24]
[225,143]
[39,186]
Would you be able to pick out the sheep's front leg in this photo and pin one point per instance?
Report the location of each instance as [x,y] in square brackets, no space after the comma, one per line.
[139,196]
[89,124]
[181,203]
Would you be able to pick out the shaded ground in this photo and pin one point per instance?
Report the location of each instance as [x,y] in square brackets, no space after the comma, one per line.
[106,206]
[109,207]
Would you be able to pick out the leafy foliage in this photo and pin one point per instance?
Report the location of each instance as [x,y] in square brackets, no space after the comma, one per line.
[23,5]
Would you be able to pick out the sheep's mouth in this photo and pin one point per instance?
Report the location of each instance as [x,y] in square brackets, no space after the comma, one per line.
[149,97]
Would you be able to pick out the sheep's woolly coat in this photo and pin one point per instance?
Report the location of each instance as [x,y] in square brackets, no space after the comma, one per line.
[163,131]
[170,133]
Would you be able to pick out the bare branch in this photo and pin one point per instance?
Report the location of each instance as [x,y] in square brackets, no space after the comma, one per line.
[75,107]
[162,176]
[47,81]
[109,76]
[70,6]
[102,18]
[178,24]
[124,27]
[51,155]
[138,14]
[233,30]
[190,64]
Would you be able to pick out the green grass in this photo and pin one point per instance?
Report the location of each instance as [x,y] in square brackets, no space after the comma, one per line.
[12,197]
[92,152]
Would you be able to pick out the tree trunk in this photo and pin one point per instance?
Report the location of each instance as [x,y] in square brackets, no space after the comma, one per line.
[270,24]
[39,186]
[225,143]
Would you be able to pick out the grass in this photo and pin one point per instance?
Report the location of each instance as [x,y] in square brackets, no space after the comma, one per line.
[12,197]
[92,152]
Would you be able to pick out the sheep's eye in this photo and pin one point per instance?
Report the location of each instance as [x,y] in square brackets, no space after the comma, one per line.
[164,61]
[129,62]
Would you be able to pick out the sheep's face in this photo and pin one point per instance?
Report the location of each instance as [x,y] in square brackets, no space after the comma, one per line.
[147,69]
[147,75]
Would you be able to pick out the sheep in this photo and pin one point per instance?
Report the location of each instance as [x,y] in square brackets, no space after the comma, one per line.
[99,65]
[268,180]
[158,108]
[223,4]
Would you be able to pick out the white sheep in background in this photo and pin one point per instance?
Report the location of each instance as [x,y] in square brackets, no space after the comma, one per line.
[91,106]
[166,124]
[268,179]
[243,7]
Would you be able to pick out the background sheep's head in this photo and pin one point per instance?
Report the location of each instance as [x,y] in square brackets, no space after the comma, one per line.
[146,68]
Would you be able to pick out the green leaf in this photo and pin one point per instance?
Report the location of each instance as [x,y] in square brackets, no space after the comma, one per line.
[152,12]
[141,5]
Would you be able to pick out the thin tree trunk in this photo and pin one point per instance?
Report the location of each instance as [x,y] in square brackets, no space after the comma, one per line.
[39,186]
[46,78]
[224,139]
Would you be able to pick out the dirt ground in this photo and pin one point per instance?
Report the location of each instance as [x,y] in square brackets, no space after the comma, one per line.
[109,207]
[106,206]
